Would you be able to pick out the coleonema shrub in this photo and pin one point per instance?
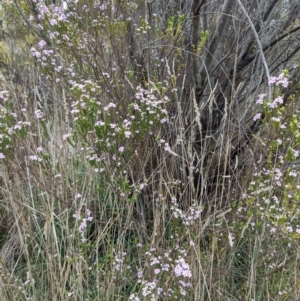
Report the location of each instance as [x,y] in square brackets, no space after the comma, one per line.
[269,211]
[12,126]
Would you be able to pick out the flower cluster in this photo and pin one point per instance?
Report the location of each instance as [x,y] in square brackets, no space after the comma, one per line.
[83,226]
[102,121]
[151,105]
[261,99]
[277,101]
[188,218]
[22,286]
[280,80]
[42,53]
[10,126]
[171,263]
[119,260]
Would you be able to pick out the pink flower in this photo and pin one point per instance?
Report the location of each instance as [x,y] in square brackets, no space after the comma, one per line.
[39,149]
[42,43]
[257,116]
[182,269]
[66,136]
[279,99]
[39,114]
[127,134]
[53,22]
[76,216]
[261,99]
[35,158]
[279,80]
[36,54]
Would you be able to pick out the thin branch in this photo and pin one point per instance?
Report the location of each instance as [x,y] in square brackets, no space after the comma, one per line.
[30,26]
[247,60]
[257,39]
[271,44]
[218,35]
[195,40]
[269,10]
[297,50]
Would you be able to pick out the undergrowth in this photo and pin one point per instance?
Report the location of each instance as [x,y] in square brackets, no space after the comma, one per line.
[91,209]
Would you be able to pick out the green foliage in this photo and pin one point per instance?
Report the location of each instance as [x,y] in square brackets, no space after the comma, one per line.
[203,39]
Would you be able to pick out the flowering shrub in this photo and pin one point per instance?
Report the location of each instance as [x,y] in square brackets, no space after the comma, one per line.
[11,125]
[115,132]
[110,124]
[164,272]
[167,275]
[111,131]
[270,208]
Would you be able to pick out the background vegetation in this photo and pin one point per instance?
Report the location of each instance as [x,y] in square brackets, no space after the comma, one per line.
[149,150]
